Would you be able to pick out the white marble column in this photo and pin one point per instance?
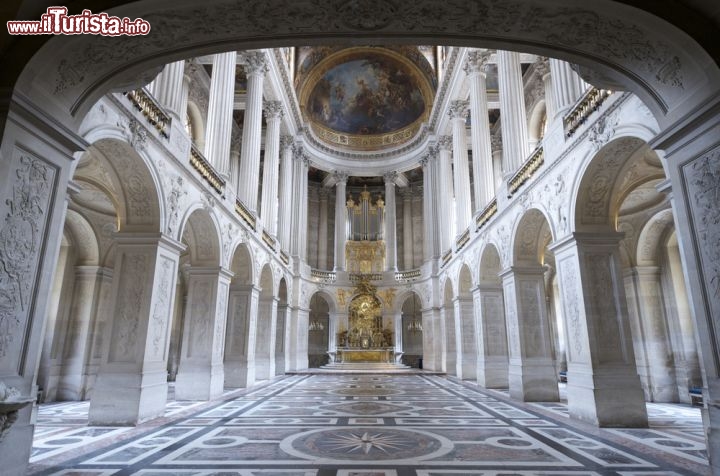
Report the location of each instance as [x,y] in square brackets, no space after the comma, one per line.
[532,376]
[407,229]
[300,322]
[431,196]
[171,90]
[265,340]
[300,203]
[650,333]
[286,192]
[482,159]
[241,335]
[513,120]
[390,222]
[461,172]
[220,109]
[323,229]
[497,162]
[200,374]
[603,386]
[567,86]
[271,170]
[340,219]
[132,383]
[445,198]
[255,65]
[492,349]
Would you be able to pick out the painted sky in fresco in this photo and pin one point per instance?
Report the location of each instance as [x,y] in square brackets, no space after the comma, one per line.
[376,95]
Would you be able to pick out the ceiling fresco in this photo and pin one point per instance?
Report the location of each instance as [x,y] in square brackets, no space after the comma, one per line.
[365,98]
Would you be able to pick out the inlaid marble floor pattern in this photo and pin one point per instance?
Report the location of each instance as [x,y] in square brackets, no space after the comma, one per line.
[366,425]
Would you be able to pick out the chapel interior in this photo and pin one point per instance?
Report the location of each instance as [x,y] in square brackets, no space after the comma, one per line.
[358,258]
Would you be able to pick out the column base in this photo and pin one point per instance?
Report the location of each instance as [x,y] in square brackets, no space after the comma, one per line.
[199,382]
[468,368]
[121,399]
[612,398]
[239,374]
[264,368]
[16,444]
[533,381]
[492,374]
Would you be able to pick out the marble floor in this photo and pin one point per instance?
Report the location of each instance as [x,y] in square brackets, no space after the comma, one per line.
[366,425]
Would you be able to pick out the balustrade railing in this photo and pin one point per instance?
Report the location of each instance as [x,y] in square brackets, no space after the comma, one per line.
[269,240]
[324,276]
[531,165]
[462,240]
[446,257]
[409,275]
[152,111]
[362,276]
[207,171]
[590,102]
[487,213]
[245,214]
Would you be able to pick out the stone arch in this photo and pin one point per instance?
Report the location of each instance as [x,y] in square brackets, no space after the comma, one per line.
[201,233]
[608,178]
[242,265]
[654,236]
[129,180]
[532,235]
[82,238]
[664,72]
[490,265]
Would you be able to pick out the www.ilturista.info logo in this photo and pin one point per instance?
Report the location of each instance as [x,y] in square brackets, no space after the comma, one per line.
[57,22]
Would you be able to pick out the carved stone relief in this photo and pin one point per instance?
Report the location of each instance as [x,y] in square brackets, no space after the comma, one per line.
[161,311]
[219,341]
[126,319]
[570,294]
[200,321]
[20,245]
[702,179]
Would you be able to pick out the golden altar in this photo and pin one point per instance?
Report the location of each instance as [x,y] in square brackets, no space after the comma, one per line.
[345,355]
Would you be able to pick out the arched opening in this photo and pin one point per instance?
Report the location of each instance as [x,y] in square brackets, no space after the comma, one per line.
[200,373]
[318,331]
[282,329]
[492,367]
[532,374]
[412,331]
[465,320]
[266,327]
[72,346]
[239,360]
[449,333]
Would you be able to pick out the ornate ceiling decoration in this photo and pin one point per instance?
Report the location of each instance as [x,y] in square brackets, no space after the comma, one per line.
[365,98]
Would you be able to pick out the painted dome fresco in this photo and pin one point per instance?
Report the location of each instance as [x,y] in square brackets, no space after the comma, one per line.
[365,98]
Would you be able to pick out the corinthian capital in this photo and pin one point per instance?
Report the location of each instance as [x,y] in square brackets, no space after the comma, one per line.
[542,66]
[390,177]
[273,109]
[255,62]
[340,176]
[476,62]
[458,109]
[444,143]
[286,141]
